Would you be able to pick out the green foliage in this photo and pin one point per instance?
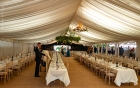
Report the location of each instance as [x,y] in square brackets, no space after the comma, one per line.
[67,39]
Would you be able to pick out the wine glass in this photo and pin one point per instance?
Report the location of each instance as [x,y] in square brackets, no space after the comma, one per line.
[120,64]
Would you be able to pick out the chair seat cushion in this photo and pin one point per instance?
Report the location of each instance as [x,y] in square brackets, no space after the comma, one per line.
[113,71]
[102,69]
[16,67]
[2,73]
[111,74]
[10,70]
[97,67]
[137,68]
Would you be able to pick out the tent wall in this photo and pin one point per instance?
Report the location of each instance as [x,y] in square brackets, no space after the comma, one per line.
[10,48]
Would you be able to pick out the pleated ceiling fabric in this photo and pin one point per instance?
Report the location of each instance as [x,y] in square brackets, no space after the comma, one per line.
[109,20]
[32,21]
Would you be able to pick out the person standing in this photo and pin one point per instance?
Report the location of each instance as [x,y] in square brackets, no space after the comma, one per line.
[68,52]
[104,49]
[47,58]
[91,50]
[95,49]
[41,62]
[109,50]
[112,51]
[121,51]
[38,58]
[62,50]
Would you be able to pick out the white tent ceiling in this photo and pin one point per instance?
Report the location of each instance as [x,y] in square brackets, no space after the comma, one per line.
[33,21]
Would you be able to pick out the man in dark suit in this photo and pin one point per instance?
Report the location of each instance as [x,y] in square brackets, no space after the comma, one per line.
[38,58]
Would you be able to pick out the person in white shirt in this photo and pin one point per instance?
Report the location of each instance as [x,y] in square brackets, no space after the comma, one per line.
[46,59]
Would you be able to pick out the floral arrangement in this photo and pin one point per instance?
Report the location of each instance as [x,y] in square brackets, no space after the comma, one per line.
[67,39]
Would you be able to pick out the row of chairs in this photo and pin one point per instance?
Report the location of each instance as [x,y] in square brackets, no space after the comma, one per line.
[10,69]
[102,70]
[66,63]
[125,61]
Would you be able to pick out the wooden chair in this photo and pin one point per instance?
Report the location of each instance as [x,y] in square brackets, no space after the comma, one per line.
[23,63]
[137,67]
[109,75]
[102,70]
[96,68]
[17,68]
[4,75]
[92,65]
[9,67]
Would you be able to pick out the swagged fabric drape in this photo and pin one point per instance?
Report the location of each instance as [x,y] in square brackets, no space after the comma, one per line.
[6,49]
[9,49]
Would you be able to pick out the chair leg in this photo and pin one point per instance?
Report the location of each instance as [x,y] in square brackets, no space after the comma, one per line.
[105,78]
[18,72]
[99,73]
[5,76]
[129,84]
[8,76]
[60,82]
[137,72]
[12,74]
[90,68]
[50,84]
[94,70]
[109,80]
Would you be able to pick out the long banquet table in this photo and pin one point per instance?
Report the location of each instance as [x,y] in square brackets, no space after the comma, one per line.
[57,70]
[3,64]
[124,75]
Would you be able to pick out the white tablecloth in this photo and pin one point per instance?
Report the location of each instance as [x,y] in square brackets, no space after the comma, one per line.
[3,65]
[125,76]
[61,73]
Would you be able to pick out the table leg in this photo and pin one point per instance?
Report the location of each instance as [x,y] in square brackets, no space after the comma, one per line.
[50,84]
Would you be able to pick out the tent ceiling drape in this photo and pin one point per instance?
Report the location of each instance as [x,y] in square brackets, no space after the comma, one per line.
[32,21]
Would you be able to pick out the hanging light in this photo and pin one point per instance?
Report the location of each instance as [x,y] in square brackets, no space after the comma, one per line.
[80,27]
